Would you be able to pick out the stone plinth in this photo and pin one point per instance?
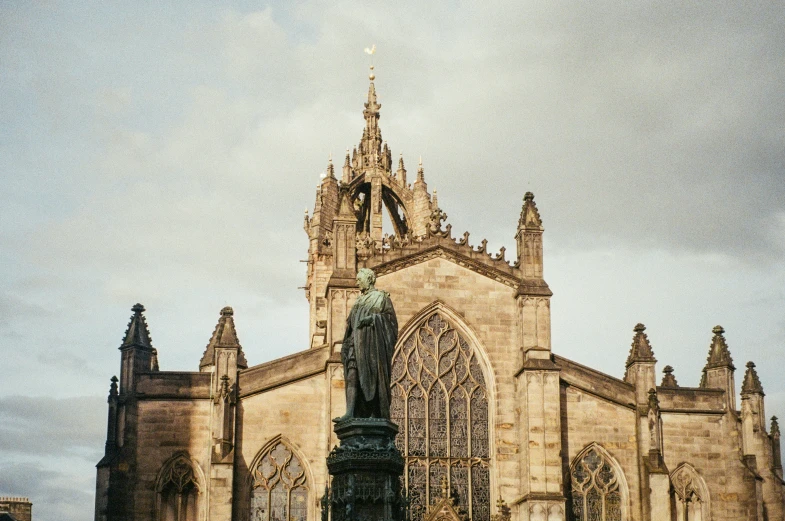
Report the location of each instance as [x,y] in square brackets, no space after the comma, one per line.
[365,469]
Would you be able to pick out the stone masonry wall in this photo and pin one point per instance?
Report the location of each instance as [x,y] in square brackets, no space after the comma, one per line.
[166,427]
[710,443]
[587,418]
[297,412]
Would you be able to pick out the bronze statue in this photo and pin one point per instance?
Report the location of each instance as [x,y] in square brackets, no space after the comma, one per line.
[367,351]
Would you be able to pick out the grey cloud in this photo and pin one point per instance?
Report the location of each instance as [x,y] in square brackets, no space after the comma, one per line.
[55,494]
[57,427]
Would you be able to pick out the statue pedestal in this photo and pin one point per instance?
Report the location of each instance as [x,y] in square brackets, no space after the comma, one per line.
[365,469]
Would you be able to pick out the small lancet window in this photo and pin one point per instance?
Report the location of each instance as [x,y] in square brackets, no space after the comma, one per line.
[279,487]
[690,494]
[596,495]
[178,491]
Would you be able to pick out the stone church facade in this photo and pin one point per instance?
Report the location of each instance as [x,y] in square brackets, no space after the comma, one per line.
[487,412]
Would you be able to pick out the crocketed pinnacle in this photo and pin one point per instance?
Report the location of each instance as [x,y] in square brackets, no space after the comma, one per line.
[775,428]
[530,216]
[640,350]
[719,355]
[371,142]
[225,335]
[330,168]
[137,334]
[751,384]
[669,380]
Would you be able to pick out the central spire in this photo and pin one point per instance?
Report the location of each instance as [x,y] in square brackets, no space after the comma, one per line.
[371,142]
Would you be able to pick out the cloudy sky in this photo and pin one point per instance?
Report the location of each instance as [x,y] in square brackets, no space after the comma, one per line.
[164,153]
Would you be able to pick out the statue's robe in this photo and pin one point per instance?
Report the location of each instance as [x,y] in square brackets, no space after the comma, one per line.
[372,348]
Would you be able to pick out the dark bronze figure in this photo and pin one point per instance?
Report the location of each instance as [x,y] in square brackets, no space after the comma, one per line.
[367,351]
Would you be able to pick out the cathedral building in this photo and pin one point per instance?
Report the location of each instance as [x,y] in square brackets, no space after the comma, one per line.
[489,415]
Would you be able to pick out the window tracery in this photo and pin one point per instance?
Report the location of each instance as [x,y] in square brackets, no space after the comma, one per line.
[691,494]
[596,491]
[177,490]
[279,486]
[439,401]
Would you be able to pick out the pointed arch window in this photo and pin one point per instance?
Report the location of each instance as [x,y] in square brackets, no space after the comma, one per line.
[690,493]
[596,487]
[279,486]
[440,403]
[178,490]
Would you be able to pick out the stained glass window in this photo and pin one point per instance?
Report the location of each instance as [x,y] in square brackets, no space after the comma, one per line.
[596,495]
[280,490]
[439,401]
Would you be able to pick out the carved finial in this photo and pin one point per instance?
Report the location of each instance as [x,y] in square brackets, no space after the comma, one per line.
[346,159]
[502,511]
[640,349]
[719,355]
[444,487]
[420,171]
[227,311]
[113,387]
[751,384]
[669,380]
[138,309]
[437,217]
[775,428]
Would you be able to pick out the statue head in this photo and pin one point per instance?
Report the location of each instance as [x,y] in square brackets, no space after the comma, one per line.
[366,278]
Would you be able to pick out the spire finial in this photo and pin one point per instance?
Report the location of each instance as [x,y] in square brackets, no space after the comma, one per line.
[669,380]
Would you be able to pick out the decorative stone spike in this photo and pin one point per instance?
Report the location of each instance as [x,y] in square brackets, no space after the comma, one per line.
[113,387]
[530,216]
[719,355]
[330,168]
[137,334]
[224,335]
[775,428]
[669,380]
[640,349]
[751,384]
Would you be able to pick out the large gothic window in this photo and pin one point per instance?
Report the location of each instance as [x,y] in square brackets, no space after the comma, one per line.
[177,490]
[279,487]
[440,403]
[596,490]
[691,494]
